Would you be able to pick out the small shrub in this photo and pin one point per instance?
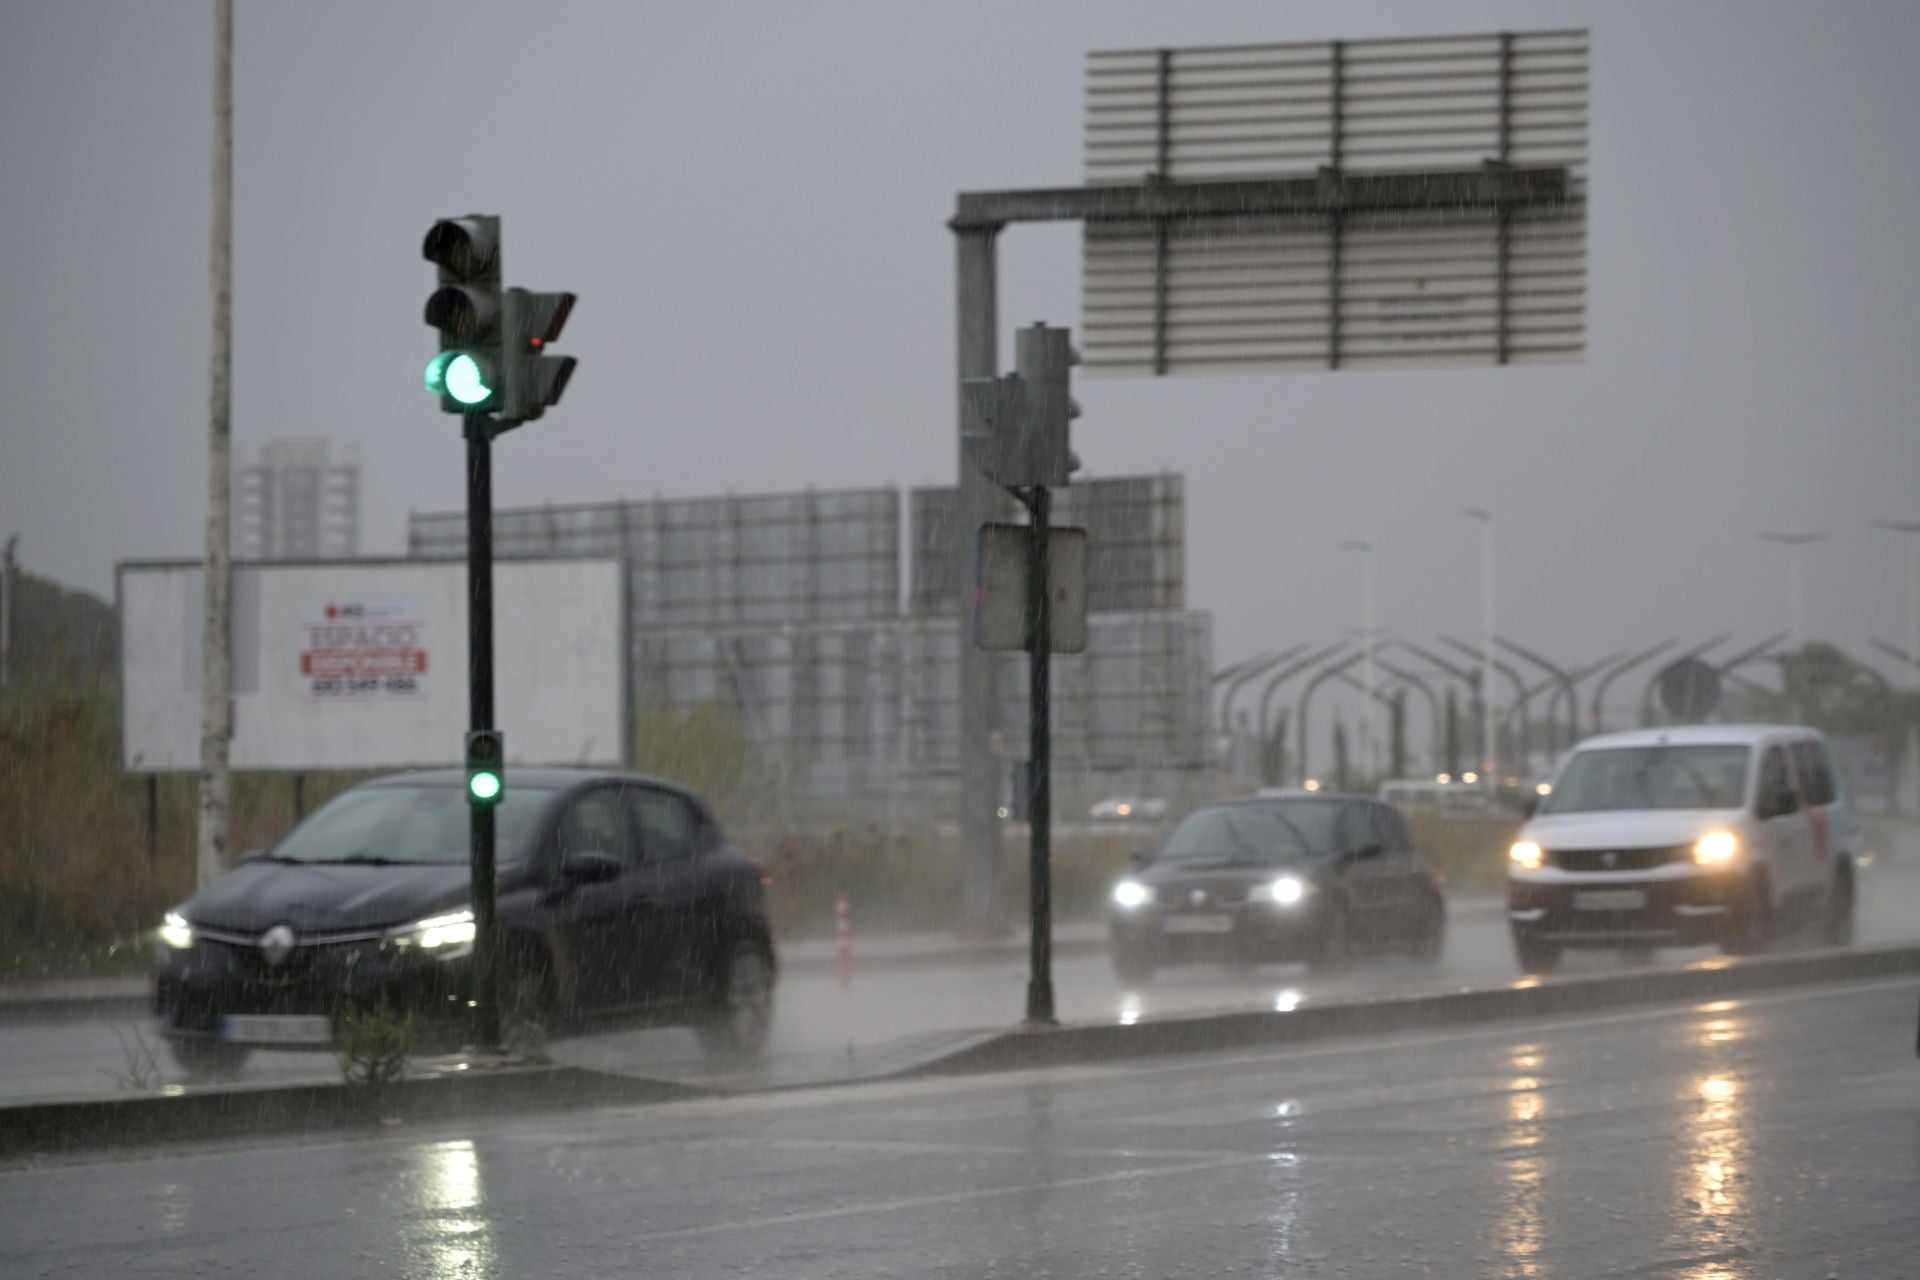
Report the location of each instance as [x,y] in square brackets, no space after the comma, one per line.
[374,1044]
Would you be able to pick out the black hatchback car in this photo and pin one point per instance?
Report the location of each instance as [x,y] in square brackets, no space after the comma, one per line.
[1319,878]
[620,901]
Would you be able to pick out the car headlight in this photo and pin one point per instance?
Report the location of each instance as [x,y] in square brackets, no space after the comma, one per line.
[448,935]
[175,931]
[1716,848]
[1525,853]
[1129,894]
[1286,891]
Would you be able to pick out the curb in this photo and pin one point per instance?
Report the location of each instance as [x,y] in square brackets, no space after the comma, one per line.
[1529,998]
[193,1115]
[64,1126]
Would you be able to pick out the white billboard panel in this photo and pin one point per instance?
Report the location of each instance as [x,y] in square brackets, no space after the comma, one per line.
[363,664]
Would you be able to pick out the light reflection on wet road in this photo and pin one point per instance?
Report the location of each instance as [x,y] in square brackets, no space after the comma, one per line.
[1739,1140]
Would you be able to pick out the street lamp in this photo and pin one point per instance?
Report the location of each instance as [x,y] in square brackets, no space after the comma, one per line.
[1369,734]
[1793,542]
[1490,765]
[1911,528]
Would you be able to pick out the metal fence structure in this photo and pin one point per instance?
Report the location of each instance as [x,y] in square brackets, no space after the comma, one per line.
[784,611]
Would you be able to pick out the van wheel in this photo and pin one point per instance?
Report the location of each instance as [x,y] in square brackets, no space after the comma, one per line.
[1751,931]
[1836,927]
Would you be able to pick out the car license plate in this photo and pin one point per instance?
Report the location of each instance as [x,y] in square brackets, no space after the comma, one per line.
[255,1028]
[1610,900]
[1198,924]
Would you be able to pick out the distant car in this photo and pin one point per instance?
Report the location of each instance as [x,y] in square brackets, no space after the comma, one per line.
[619,900]
[1315,877]
[1447,799]
[1129,809]
[1705,834]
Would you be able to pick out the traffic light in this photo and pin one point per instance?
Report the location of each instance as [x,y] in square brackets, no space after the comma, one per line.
[532,379]
[467,310]
[486,766]
[1028,412]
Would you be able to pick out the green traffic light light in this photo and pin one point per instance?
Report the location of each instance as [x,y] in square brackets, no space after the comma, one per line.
[484,786]
[457,374]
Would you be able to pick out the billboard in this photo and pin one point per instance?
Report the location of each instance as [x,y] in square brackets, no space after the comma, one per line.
[362,664]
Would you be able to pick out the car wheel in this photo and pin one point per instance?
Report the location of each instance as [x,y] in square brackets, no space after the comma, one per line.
[207,1059]
[1534,955]
[1431,941]
[526,1005]
[1133,965]
[1836,927]
[1751,931]
[742,1015]
[1334,946]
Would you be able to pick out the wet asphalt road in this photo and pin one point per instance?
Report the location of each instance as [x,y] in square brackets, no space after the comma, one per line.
[822,1031]
[1771,1137]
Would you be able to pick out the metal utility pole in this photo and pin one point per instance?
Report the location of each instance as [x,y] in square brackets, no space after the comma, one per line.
[481,827]
[216,663]
[1369,729]
[979,502]
[6,614]
[1793,542]
[1039,502]
[1911,528]
[1489,766]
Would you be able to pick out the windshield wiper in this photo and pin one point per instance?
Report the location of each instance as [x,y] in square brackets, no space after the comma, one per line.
[365,860]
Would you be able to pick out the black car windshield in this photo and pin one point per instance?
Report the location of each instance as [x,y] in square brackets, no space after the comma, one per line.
[1672,777]
[375,825]
[1252,833]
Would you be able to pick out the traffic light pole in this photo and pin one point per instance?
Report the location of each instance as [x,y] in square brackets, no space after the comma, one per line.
[1039,503]
[486,1007]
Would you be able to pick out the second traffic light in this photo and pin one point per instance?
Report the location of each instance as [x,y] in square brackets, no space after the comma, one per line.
[532,380]
[1028,413]
[486,766]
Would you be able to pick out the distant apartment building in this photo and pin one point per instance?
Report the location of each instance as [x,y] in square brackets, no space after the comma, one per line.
[296,503]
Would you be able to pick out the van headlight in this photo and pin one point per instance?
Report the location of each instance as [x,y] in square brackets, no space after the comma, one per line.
[447,936]
[1716,848]
[1525,853]
[175,931]
[1130,894]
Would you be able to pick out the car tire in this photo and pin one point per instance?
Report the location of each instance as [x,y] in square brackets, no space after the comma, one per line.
[1334,945]
[1836,924]
[204,1058]
[1751,931]
[741,1017]
[1430,943]
[1134,965]
[1535,956]
[526,1004]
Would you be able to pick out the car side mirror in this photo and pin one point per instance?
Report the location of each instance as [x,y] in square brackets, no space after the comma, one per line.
[589,868]
[1140,858]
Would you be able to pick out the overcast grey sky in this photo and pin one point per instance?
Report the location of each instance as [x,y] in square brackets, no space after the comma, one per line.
[749,200]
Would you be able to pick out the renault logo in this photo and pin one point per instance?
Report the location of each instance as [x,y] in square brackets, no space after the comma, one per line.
[277,943]
[1198,897]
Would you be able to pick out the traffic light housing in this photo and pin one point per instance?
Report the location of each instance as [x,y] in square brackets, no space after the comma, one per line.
[486,766]
[467,308]
[532,379]
[1028,413]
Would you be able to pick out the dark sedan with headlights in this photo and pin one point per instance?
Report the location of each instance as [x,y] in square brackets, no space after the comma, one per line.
[1313,877]
[620,901]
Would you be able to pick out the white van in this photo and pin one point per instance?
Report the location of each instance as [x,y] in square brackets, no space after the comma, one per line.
[1684,836]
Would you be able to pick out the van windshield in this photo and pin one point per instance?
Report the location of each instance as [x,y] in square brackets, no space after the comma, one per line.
[1683,777]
